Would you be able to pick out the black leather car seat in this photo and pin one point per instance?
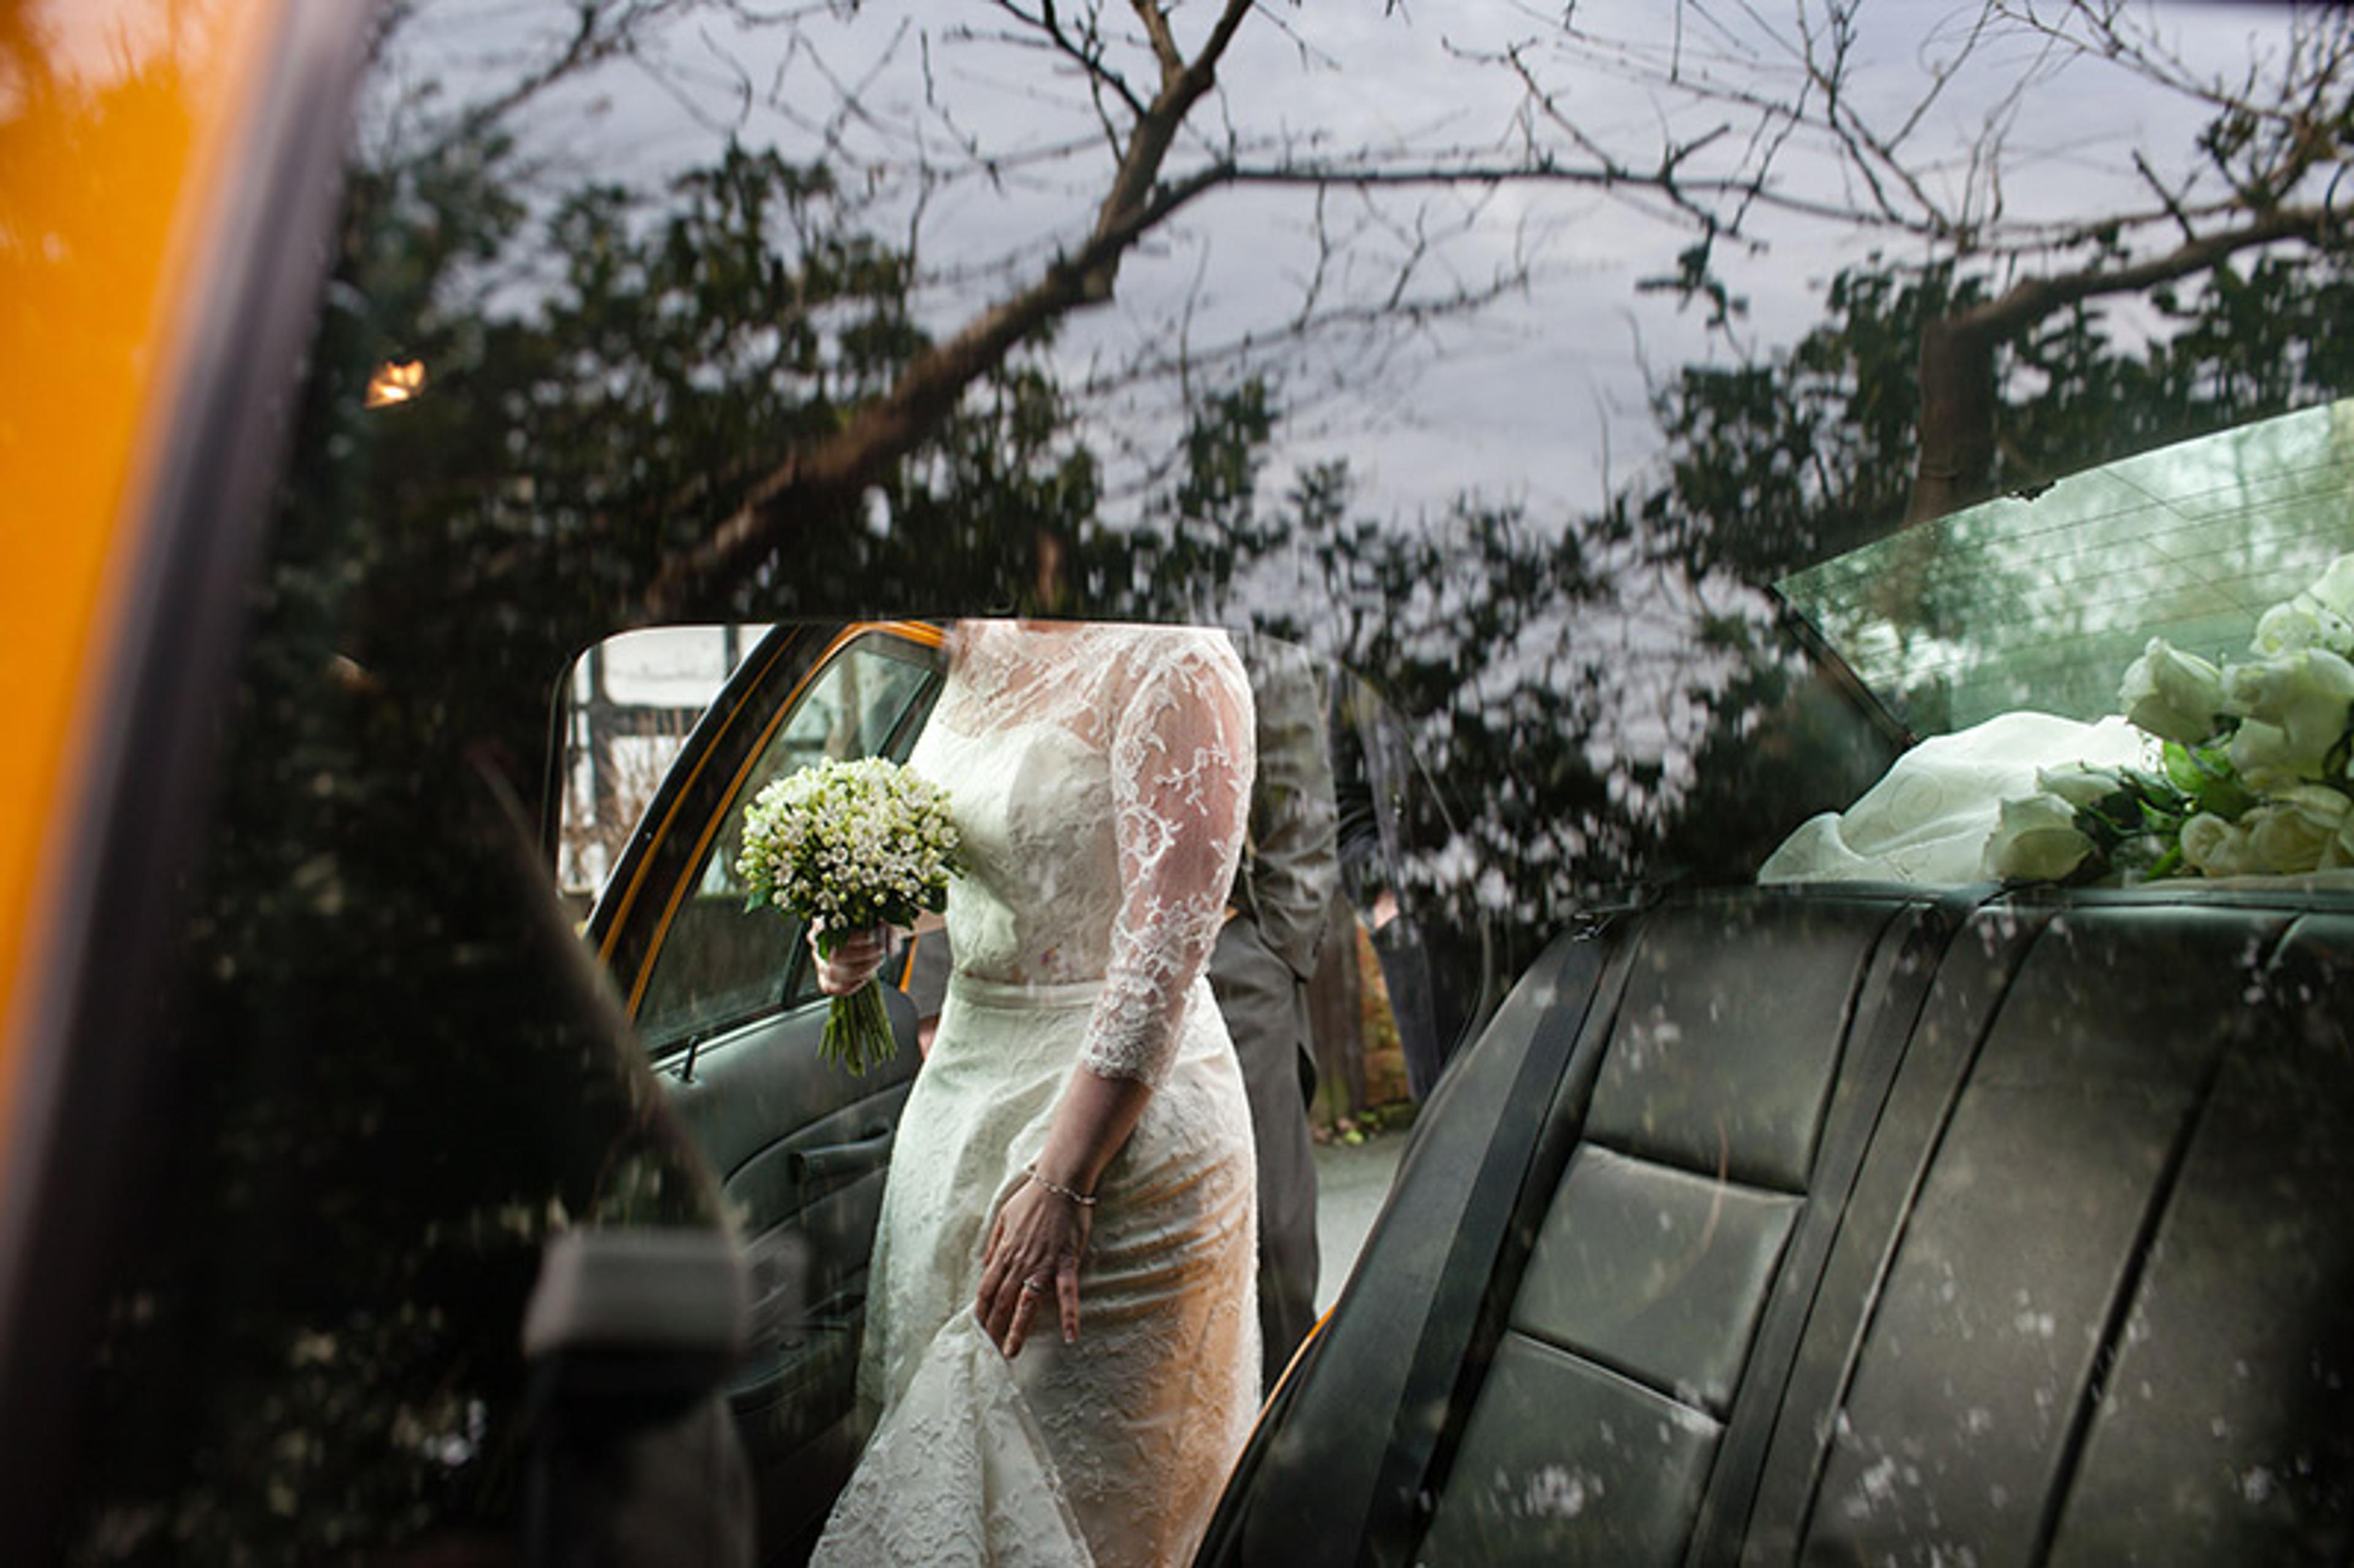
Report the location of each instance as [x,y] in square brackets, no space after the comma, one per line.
[1858,1226]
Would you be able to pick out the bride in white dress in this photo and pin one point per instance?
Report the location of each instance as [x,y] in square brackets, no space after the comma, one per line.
[1061,1332]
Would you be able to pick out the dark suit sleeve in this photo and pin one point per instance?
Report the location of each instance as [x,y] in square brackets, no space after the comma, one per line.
[1291,861]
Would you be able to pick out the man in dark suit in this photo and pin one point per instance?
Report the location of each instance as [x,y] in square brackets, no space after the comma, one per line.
[1260,969]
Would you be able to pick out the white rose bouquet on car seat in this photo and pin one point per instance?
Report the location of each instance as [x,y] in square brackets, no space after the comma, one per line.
[2253,774]
[848,846]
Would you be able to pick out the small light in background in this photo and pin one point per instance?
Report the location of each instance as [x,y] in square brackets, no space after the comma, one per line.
[395,383]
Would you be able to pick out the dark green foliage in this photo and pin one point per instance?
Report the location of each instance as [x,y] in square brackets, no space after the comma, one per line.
[1777,464]
[398,1071]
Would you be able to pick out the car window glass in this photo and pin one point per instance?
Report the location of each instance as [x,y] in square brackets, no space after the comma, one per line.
[629,704]
[2042,601]
[619,290]
[719,963]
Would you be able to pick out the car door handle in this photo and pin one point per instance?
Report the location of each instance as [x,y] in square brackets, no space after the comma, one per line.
[871,1151]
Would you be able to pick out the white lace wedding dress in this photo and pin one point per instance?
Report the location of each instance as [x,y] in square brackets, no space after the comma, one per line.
[1100,777]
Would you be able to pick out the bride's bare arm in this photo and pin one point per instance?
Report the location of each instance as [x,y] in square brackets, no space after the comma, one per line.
[1041,1232]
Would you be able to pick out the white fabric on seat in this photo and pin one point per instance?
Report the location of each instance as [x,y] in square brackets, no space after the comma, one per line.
[1928,820]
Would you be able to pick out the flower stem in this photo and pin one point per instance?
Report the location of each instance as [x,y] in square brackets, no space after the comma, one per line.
[858,1029]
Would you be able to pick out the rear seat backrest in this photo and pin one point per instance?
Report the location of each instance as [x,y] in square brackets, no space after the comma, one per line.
[2237,1336]
[1853,1228]
[2087,1348]
[1957,1425]
[1597,1424]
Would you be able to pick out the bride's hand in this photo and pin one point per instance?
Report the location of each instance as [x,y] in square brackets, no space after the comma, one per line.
[853,963]
[1034,1251]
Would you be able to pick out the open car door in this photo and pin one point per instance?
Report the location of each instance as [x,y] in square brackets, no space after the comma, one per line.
[726,1001]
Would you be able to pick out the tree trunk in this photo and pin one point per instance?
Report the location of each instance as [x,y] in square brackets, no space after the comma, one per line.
[1956,467]
[1958,385]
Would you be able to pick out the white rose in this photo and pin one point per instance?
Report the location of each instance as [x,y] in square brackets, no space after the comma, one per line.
[2291,835]
[2333,589]
[2321,615]
[2172,694]
[2284,629]
[2035,840]
[2217,848]
[2308,696]
[2078,784]
[2263,756]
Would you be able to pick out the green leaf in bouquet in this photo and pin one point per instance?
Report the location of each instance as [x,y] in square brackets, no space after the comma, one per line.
[2226,795]
[2182,769]
[2195,778]
[2153,791]
[2165,864]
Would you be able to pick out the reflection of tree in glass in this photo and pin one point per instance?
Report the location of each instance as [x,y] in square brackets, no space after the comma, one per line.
[1610,701]
[686,336]
[619,375]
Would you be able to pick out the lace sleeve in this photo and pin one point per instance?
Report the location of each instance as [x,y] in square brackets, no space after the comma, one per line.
[1181,763]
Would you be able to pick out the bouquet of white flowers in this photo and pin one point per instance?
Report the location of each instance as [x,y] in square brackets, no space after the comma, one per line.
[848,846]
[2253,770]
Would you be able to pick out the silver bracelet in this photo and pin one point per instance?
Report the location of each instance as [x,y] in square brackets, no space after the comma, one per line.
[1084,1200]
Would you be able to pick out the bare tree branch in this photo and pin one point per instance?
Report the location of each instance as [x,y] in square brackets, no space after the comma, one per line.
[821,482]
[1957,354]
[1086,51]
[2263,170]
[824,480]
[1782,87]
[1181,86]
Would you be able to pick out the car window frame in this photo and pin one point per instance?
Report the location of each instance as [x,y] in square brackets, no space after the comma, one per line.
[665,855]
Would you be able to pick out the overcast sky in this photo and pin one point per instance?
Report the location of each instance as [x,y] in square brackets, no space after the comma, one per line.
[1539,398]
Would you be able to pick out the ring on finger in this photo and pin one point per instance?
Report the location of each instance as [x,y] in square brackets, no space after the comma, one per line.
[1035,1286]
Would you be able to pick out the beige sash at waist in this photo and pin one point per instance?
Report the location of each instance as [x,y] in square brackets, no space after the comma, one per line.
[973,990]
